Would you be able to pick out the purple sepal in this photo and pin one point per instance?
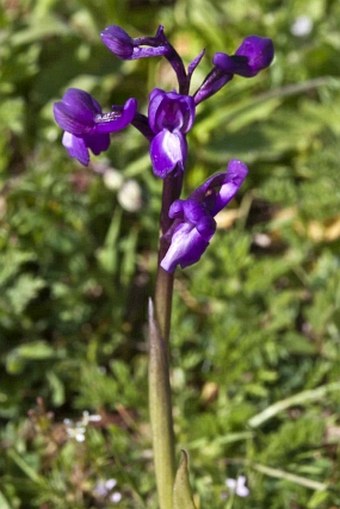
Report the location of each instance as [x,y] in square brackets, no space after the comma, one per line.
[194,223]
[171,111]
[117,41]
[195,62]
[254,54]
[85,126]
[76,111]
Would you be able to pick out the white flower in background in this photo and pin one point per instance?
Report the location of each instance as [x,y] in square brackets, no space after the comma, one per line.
[77,430]
[302,26]
[113,179]
[87,418]
[116,497]
[103,489]
[238,486]
[130,196]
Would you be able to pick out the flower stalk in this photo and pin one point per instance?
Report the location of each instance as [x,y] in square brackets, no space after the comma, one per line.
[161,413]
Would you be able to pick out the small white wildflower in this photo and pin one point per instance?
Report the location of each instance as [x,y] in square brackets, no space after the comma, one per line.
[110,484]
[95,418]
[77,430]
[112,179]
[302,26]
[100,489]
[262,240]
[238,486]
[79,435]
[130,196]
[87,418]
[103,487]
[116,497]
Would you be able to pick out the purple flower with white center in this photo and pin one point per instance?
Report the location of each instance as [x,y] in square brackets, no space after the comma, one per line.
[85,126]
[171,116]
[194,223]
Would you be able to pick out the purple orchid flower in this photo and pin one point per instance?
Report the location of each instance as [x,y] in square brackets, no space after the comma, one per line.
[171,116]
[194,223]
[85,126]
[255,54]
[127,48]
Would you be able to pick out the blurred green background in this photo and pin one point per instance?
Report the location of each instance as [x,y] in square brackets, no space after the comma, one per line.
[255,331]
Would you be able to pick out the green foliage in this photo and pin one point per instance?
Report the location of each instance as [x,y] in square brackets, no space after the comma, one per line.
[255,331]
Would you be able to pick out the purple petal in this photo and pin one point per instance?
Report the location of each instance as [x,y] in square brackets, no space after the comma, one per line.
[169,110]
[117,41]
[156,98]
[186,248]
[231,64]
[167,150]
[97,142]
[149,52]
[117,119]
[76,148]
[195,213]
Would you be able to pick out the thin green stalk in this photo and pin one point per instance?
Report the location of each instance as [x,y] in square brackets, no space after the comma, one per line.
[302,398]
[161,414]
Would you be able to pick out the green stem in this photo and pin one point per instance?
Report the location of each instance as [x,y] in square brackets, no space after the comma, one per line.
[161,414]
[159,378]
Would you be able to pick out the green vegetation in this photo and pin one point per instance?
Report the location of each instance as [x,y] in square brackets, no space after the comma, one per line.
[255,330]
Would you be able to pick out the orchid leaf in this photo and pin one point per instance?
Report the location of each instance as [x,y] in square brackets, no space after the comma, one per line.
[183,498]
